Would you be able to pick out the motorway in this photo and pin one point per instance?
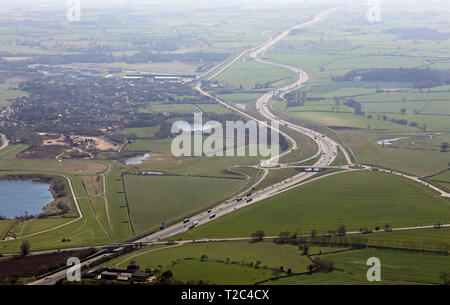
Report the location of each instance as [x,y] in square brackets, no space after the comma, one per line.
[327,150]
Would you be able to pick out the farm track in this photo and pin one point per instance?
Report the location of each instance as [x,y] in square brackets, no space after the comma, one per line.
[103,175]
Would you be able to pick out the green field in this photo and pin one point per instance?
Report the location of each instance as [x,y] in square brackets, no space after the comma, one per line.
[168,108]
[422,158]
[277,175]
[360,199]
[396,266]
[168,198]
[268,253]
[200,166]
[8,92]
[442,179]
[227,263]
[216,108]
[37,225]
[321,278]
[5,225]
[239,97]
[158,146]
[252,73]
[347,120]
[428,239]
[218,273]
[92,229]
[143,132]
[11,151]
[86,231]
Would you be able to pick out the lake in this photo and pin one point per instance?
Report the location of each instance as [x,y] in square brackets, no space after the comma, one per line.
[20,196]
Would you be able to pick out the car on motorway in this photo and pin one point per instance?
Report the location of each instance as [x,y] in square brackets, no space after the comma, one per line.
[195,223]
[191,227]
[249,200]
[186,220]
[212,216]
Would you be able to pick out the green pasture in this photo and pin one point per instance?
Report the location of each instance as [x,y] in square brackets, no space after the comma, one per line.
[361,199]
[154,199]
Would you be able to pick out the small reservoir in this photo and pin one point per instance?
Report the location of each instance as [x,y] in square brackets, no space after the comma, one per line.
[389,141]
[18,197]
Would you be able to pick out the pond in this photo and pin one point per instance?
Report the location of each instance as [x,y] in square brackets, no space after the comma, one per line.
[241,106]
[152,173]
[18,197]
[137,160]
[389,141]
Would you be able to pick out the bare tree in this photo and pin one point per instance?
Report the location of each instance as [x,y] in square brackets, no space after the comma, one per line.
[25,248]
[341,229]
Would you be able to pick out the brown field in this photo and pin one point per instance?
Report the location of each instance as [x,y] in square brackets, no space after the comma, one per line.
[30,266]
[43,152]
[99,143]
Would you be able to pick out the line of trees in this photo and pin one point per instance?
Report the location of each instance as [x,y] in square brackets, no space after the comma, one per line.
[421,78]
